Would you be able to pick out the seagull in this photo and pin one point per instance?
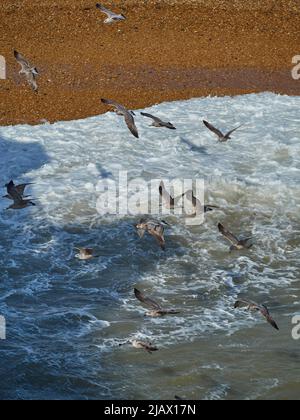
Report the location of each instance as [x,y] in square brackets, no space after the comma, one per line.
[85,254]
[141,345]
[169,201]
[14,194]
[157,310]
[251,306]
[111,16]
[222,137]
[121,110]
[20,189]
[157,122]
[197,206]
[237,244]
[154,228]
[29,72]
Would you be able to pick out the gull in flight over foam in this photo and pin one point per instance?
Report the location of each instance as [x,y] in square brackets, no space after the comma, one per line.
[156,309]
[157,122]
[153,228]
[222,137]
[251,306]
[128,115]
[236,243]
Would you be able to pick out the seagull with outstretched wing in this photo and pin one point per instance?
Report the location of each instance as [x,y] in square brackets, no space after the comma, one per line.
[236,243]
[157,122]
[222,137]
[198,208]
[156,309]
[169,201]
[153,228]
[251,306]
[128,115]
[111,16]
[14,194]
[20,189]
[27,70]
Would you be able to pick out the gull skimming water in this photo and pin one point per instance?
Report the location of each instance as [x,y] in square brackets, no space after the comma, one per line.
[251,306]
[156,309]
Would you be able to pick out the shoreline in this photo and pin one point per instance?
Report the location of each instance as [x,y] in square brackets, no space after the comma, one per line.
[165,51]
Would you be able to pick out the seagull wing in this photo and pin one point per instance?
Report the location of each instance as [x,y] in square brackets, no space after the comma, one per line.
[127,115]
[195,201]
[246,304]
[147,301]
[115,105]
[21,188]
[228,235]
[22,61]
[213,129]
[232,131]
[103,9]
[196,204]
[158,233]
[265,312]
[13,193]
[129,119]
[170,202]
[158,120]
[31,79]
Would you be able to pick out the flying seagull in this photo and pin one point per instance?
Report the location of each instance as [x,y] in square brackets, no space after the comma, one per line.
[237,244]
[154,228]
[197,206]
[222,137]
[14,194]
[251,306]
[121,110]
[20,189]
[156,309]
[27,70]
[85,254]
[169,201]
[157,122]
[111,16]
